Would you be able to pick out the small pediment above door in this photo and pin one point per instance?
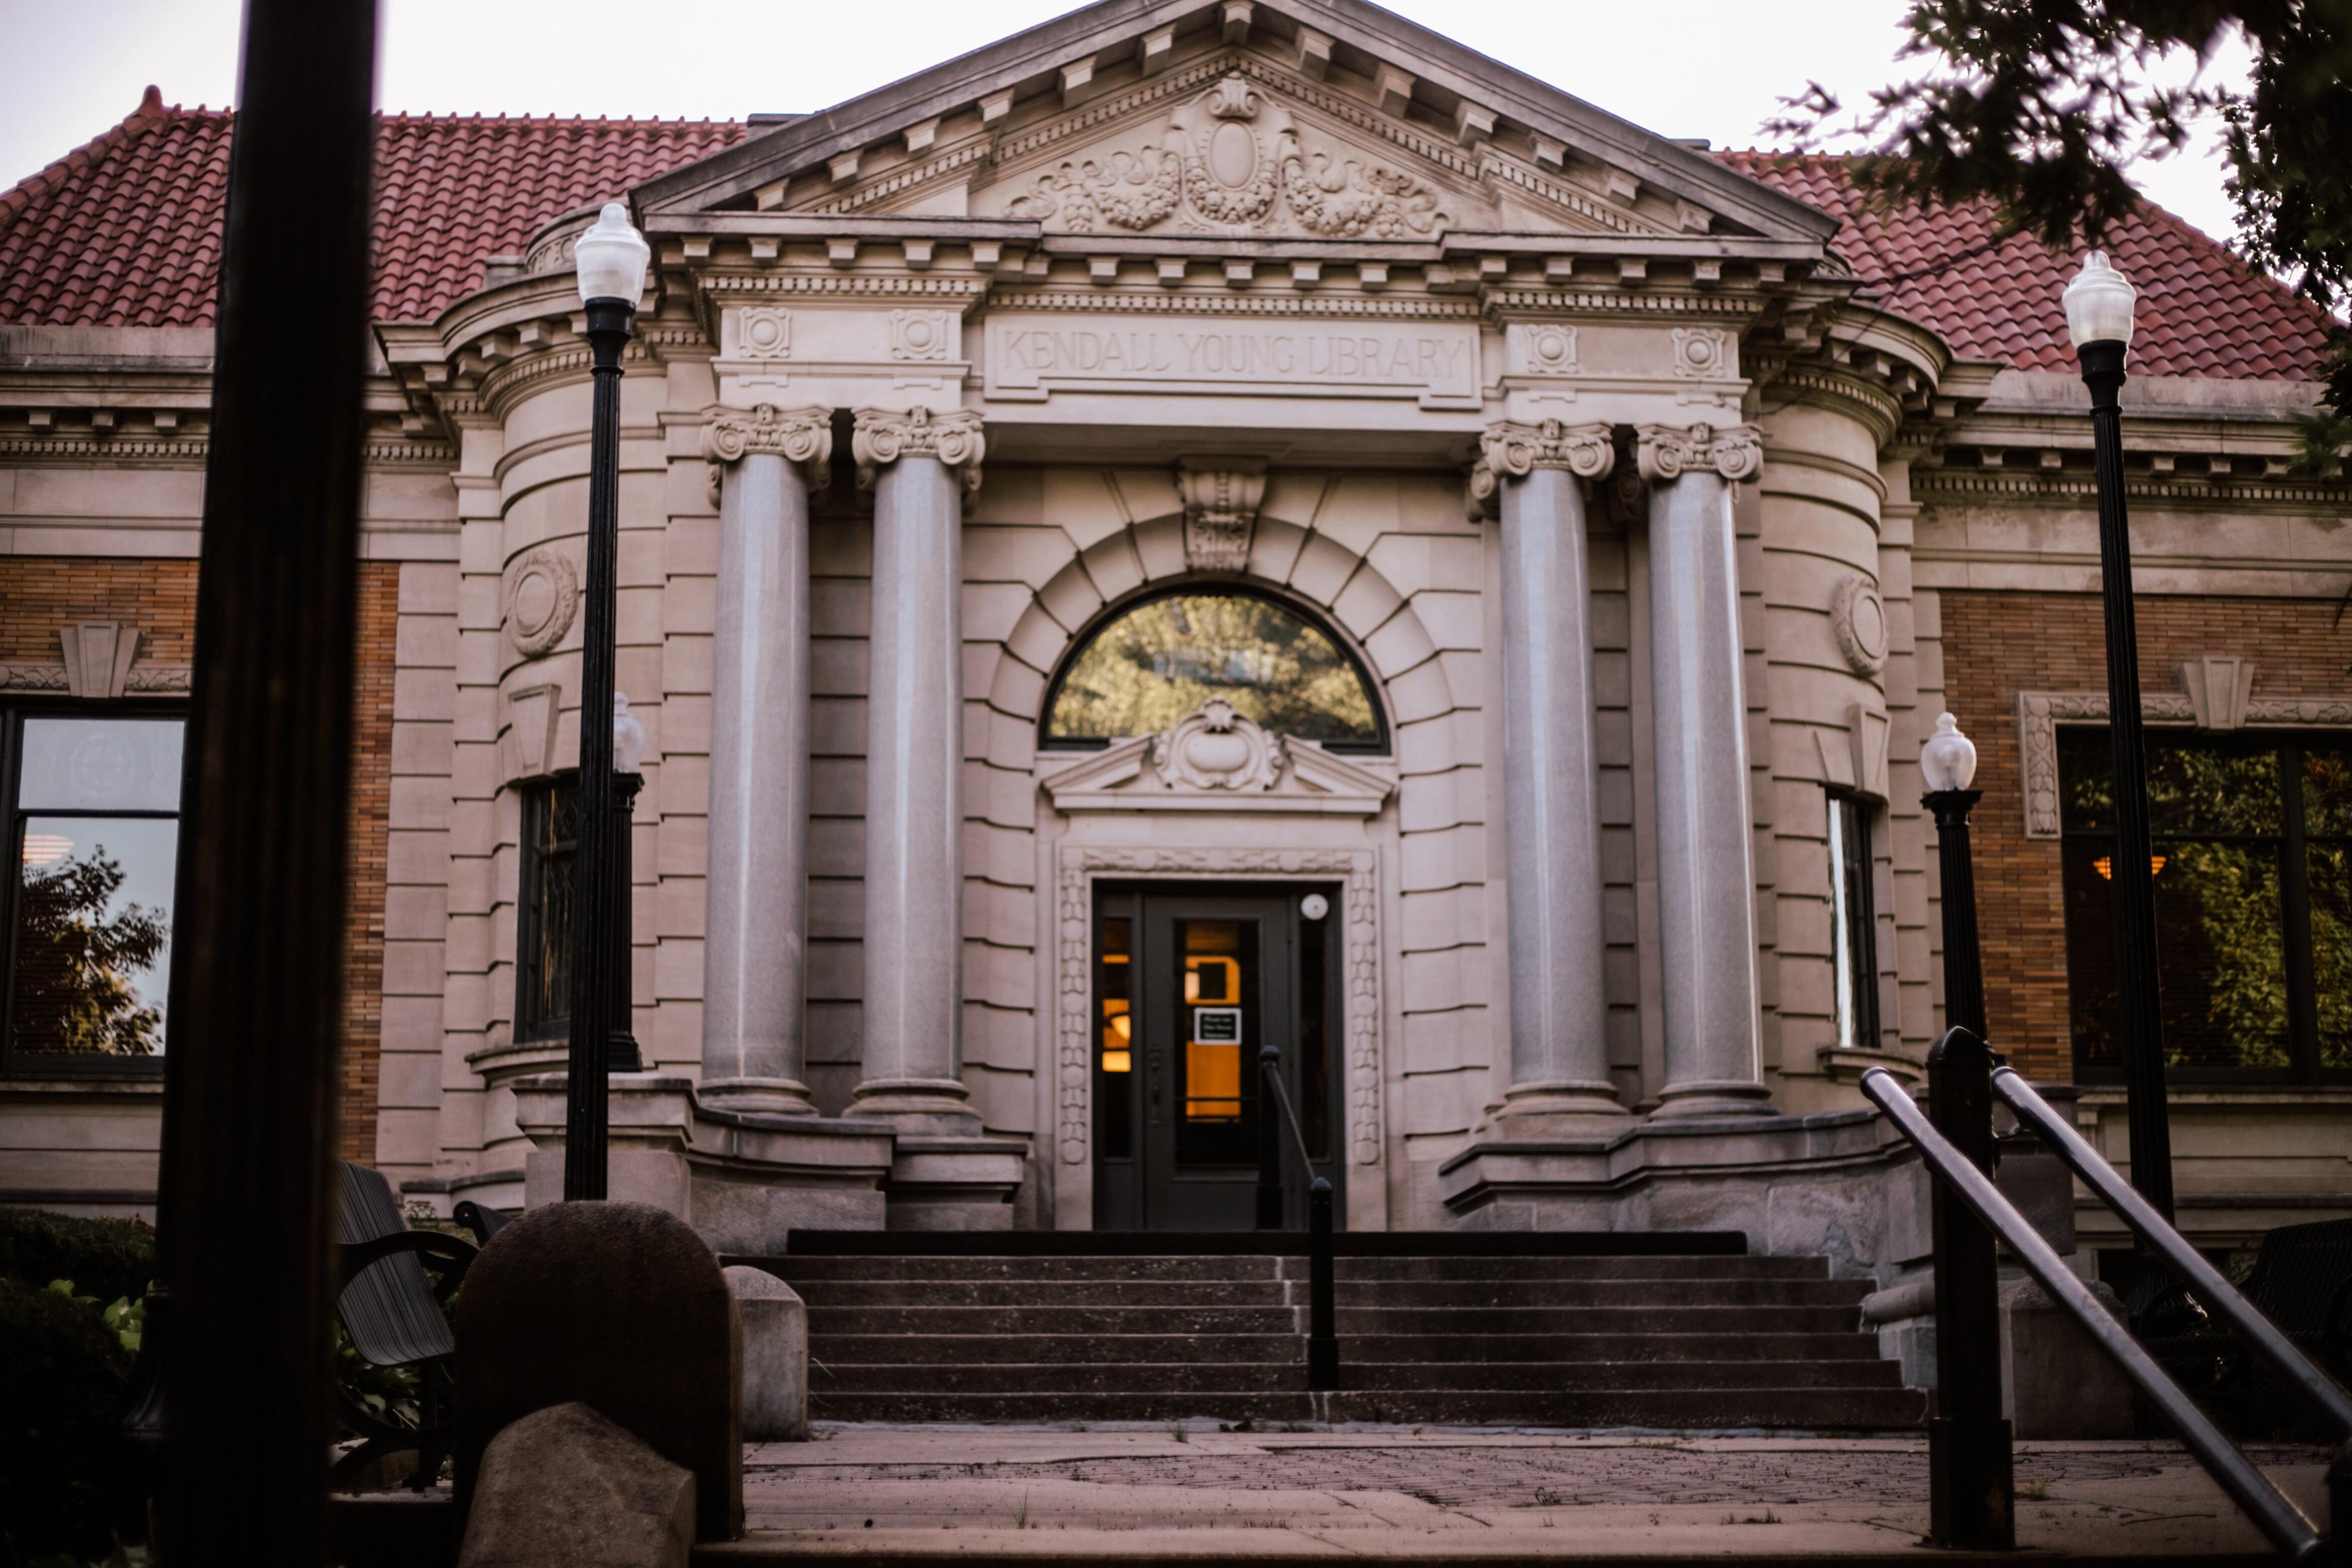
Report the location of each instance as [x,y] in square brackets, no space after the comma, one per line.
[1214,759]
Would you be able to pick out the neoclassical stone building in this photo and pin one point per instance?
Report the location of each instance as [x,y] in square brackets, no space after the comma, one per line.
[1202,526]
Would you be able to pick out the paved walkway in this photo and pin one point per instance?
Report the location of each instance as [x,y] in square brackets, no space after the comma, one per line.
[1026,1494]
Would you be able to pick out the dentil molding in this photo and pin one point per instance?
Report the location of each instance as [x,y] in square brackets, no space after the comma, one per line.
[885,434]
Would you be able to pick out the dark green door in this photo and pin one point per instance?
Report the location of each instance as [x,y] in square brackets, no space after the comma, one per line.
[1190,984]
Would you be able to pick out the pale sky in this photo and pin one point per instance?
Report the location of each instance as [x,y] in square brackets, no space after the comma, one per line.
[1681,68]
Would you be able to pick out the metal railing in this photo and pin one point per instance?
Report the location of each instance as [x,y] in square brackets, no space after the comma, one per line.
[1972,1502]
[1322,1313]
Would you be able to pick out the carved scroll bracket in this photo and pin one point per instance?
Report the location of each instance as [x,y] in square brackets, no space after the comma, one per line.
[802,436]
[1667,451]
[1221,497]
[884,436]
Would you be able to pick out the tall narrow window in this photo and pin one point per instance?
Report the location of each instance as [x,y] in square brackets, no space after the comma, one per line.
[550,828]
[1853,923]
[93,825]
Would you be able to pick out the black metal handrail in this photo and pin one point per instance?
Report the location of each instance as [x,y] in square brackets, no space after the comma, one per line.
[1322,1314]
[2210,1287]
[1961,1075]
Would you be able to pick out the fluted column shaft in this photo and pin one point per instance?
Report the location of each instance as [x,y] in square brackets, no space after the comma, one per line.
[754,1054]
[919,465]
[1559,1054]
[1706,879]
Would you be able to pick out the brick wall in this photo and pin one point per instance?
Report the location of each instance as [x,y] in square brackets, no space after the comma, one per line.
[1997,644]
[40,594]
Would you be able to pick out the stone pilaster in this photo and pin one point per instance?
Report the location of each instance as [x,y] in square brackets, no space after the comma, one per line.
[765,464]
[1707,873]
[920,464]
[1560,1055]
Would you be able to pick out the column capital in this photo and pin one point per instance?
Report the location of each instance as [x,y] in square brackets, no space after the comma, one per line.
[802,436]
[1665,451]
[1510,448]
[886,435]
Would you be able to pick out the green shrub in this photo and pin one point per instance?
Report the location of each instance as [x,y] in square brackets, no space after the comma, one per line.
[66,1484]
[107,1259]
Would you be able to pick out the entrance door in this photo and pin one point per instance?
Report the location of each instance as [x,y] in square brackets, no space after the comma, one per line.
[1189,982]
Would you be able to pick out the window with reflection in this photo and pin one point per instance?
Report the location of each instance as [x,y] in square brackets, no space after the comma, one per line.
[93,821]
[1159,660]
[2251,842]
[551,833]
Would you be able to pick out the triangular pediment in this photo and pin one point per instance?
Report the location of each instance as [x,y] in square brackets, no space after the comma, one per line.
[1327,119]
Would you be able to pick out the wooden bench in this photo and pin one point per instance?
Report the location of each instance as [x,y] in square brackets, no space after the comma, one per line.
[396,1317]
[2302,1281]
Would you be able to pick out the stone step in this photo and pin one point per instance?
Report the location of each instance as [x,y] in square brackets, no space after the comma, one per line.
[1286,1348]
[1682,1318]
[1259,1243]
[794,1269]
[1465,1294]
[1843,1409]
[1278,1377]
[1355,1349]
[1368,1349]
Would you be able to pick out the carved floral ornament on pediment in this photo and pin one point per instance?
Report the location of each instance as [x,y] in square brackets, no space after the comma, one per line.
[1215,759]
[1233,158]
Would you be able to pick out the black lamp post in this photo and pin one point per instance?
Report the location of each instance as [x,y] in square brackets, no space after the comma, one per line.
[2099,318]
[1948,764]
[611,258]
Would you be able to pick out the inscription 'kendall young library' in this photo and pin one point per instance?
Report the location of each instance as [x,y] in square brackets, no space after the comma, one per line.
[1030,355]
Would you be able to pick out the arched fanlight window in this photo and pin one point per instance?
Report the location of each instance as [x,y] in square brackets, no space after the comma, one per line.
[1158,659]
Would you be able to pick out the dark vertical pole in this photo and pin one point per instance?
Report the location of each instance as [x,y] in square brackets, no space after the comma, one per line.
[1971,1498]
[1269,1141]
[2139,1022]
[609,324]
[257,927]
[1322,1312]
[622,1057]
[1964,1004]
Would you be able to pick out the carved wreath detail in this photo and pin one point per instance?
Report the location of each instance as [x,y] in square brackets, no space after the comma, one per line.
[1858,618]
[541,598]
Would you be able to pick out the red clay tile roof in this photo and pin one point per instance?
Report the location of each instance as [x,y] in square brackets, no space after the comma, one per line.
[2202,312]
[124,232]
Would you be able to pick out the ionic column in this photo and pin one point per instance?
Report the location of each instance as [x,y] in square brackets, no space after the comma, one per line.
[1551,809]
[756,898]
[918,465]
[1706,879]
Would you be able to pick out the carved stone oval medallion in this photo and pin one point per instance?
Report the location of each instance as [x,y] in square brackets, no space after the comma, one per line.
[1858,616]
[542,596]
[1233,155]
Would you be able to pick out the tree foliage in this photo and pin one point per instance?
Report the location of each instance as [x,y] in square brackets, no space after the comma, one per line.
[2037,105]
[76,963]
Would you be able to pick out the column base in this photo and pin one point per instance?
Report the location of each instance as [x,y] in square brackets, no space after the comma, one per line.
[1713,1096]
[1561,1109]
[918,1105]
[766,1096]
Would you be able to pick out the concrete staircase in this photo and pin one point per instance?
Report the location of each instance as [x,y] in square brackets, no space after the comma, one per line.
[1456,1334]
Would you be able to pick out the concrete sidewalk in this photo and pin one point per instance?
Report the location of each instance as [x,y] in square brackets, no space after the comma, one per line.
[1009,1495]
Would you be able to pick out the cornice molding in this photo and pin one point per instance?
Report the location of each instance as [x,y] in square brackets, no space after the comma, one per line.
[1283,302]
[886,435]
